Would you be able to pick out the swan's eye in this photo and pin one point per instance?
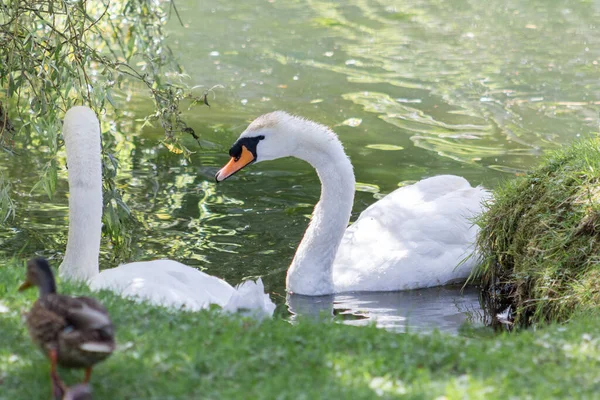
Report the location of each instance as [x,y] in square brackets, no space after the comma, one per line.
[236,151]
[248,142]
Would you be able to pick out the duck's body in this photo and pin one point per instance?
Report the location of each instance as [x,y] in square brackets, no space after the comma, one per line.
[163,282]
[415,237]
[61,322]
[74,332]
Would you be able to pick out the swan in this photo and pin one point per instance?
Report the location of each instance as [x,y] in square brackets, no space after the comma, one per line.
[415,237]
[163,282]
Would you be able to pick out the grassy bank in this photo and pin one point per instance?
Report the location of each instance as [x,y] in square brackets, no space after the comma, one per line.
[541,237]
[206,355]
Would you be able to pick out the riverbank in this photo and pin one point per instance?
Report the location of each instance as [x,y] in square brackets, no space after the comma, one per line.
[540,239]
[169,355]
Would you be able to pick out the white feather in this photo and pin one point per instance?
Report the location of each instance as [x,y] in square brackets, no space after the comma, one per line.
[415,237]
[96,347]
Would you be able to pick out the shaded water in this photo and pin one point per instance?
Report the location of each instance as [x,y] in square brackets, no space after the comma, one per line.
[443,308]
[413,89]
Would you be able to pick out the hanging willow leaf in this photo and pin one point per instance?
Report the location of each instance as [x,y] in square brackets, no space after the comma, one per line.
[60,53]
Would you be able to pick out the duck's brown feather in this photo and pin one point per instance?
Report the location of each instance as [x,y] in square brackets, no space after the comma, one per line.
[78,328]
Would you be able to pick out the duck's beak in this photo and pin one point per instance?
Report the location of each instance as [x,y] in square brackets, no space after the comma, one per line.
[25,285]
[235,164]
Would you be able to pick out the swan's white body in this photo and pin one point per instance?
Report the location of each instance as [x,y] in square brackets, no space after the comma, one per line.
[415,237]
[162,282]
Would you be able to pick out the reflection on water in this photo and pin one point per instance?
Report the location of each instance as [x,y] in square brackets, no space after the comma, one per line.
[445,309]
[413,89]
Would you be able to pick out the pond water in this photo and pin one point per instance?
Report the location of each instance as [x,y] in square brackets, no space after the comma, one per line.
[413,89]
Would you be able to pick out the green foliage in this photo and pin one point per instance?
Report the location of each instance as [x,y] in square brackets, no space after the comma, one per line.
[541,238]
[118,224]
[180,355]
[59,53]
[7,206]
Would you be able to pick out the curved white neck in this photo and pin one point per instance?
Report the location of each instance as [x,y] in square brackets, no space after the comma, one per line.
[311,270]
[81,131]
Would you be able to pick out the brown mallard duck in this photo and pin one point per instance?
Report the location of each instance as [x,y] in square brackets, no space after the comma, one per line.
[74,332]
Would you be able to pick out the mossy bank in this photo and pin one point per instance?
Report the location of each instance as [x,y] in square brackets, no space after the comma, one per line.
[540,239]
[207,355]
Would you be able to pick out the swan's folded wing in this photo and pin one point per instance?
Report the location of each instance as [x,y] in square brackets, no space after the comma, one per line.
[148,281]
[415,237]
[175,285]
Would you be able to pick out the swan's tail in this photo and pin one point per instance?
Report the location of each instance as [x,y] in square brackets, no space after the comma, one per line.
[250,295]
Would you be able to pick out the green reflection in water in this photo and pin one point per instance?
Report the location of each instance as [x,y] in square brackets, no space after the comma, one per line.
[473,88]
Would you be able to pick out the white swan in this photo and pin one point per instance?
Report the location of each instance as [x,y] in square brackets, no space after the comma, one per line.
[413,238]
[163,282]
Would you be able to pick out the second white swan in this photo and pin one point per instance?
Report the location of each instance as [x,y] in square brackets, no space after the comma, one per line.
[415,237]
[164,282]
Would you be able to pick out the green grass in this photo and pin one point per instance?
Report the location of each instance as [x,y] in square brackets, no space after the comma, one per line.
[207,355]
[541,237]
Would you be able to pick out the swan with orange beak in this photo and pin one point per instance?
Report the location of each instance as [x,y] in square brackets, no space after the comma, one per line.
[415,237]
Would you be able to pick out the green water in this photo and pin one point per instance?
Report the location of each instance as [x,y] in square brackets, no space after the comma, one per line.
[414,89]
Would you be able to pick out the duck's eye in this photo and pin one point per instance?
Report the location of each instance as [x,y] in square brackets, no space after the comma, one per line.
[261,137]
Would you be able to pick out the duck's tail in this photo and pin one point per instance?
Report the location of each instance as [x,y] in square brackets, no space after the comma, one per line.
[251,296]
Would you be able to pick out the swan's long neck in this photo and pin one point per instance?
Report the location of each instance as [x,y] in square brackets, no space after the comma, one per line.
[81,133]
[311,269]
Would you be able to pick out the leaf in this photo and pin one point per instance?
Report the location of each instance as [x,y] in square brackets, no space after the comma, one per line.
[57,52]
[130,43]
[11,85]
[48,180]
[110,99]
[122,204]
[113,160]
[110,217]
[44,104]
[173,148]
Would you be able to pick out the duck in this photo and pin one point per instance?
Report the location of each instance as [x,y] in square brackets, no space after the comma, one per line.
[73,332]
[162,282]
[418,236]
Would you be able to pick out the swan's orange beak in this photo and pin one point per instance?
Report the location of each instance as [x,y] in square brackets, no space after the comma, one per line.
[235,164]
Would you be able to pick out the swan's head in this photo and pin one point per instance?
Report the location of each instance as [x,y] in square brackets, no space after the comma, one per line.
[277,135]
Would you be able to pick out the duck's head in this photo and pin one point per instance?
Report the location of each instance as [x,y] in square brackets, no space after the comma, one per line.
[39,274]
[277,135]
